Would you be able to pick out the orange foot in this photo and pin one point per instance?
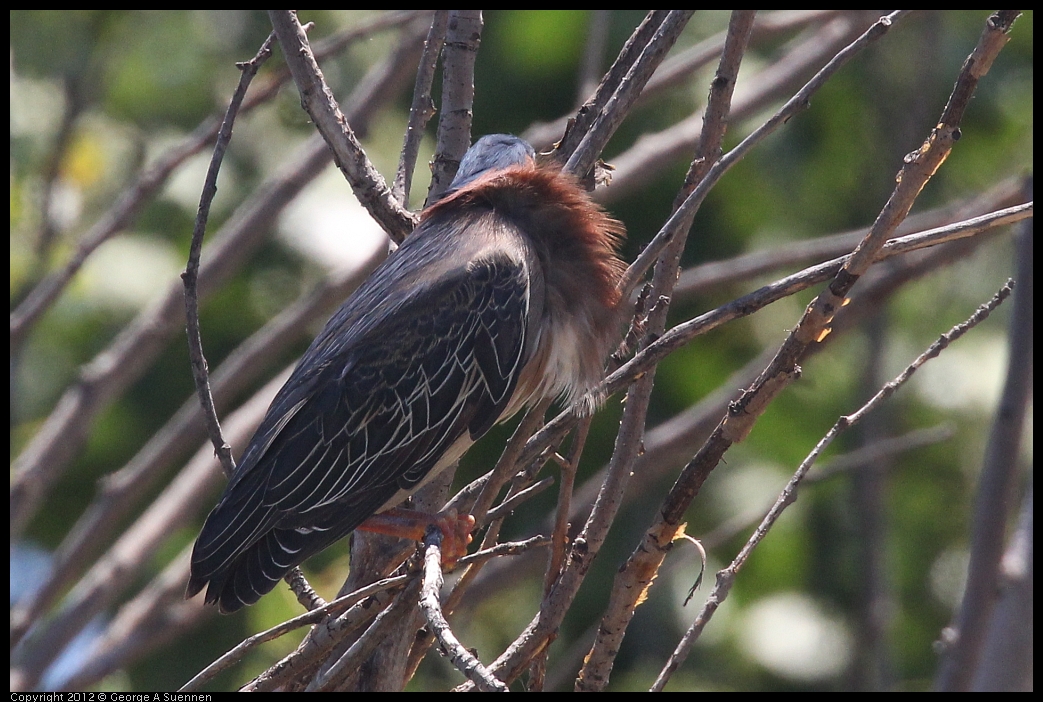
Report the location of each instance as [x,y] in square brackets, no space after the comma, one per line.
[409,524]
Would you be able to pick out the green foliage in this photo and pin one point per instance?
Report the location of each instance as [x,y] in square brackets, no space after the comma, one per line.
[141,80]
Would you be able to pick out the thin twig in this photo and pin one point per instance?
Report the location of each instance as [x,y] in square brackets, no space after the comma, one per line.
[511,503]
[597,665]
[573,128]
[150,179]
[317,98]
[508,464]
[295,578]
[844,465]
[619,105]
[328,609]
[458,656]
[422,109]
[706,277]
[799,102]
[564,506]
[248,69]
[726,577]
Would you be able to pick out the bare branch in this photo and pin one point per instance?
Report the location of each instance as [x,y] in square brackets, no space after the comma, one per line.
[572,129]
[999,476]
[328,609]
[797,103]
[149,181]
[618,106]
[248,69]
[598,663]
[316,97]
[423,107]
[122,362]
[747,304]
[460,657]
[726,577]
[463,38]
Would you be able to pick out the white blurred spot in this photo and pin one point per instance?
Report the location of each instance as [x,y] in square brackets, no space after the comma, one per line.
[328,225]
[791,635]
[129,271]
[748,489]
[949,575]
[966,375]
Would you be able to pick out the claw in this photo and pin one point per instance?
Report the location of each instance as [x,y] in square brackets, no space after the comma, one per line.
[408,524]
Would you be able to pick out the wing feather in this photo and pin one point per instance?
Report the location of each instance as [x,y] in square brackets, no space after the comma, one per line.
[368,412]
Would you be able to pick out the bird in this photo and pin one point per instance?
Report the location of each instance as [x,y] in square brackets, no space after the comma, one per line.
[504,294]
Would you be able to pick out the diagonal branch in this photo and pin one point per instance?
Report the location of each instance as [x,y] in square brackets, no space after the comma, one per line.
[726,577]
[317,99]
[618,106]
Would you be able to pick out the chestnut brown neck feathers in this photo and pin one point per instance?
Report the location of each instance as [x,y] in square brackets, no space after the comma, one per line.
[575,241]
[558,214]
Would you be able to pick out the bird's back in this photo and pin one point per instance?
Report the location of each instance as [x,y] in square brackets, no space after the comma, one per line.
[505,294]
[419,362]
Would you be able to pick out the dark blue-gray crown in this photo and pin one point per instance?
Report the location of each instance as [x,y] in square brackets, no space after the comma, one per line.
[492,152]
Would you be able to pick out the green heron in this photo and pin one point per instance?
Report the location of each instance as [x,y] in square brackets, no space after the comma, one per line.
[505,294]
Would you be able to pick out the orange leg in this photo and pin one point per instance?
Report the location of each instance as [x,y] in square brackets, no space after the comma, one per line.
[409,524]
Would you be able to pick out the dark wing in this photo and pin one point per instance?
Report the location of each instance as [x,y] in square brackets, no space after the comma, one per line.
[362,421]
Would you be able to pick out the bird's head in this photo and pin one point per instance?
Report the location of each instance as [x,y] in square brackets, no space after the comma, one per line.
[493,152]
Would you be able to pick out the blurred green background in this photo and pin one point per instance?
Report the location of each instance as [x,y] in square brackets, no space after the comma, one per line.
[137,82]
